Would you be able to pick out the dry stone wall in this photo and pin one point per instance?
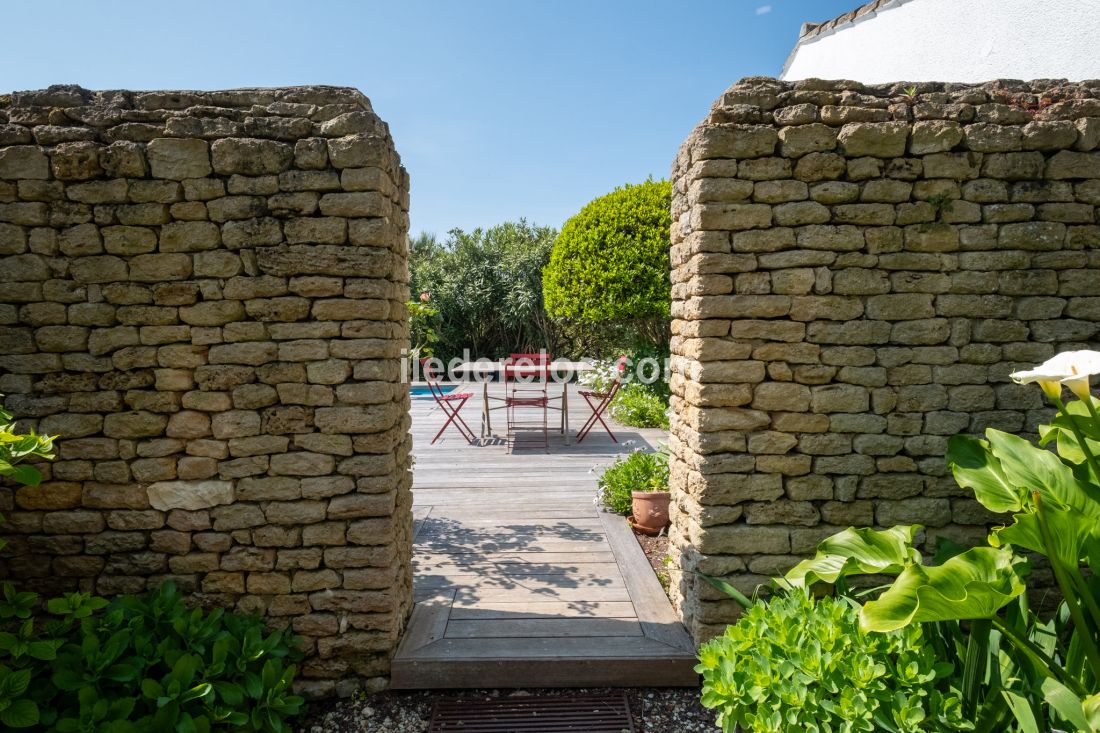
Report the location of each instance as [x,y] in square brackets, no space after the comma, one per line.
[856,271]
[203,294]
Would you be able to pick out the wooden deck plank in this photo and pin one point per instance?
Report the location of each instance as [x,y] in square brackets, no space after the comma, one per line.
[536,583]
[471,610]
[655,613]
[556,628]
[540,648]
[511,559]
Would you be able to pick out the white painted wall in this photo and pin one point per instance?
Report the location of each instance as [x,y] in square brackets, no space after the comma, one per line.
[959,40]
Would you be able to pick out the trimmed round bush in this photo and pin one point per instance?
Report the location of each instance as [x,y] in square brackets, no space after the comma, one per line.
[609,269]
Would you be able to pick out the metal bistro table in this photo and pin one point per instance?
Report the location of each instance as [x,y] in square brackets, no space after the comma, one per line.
[482,370]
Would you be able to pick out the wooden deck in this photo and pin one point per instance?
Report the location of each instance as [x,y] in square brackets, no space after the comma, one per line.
[520,580]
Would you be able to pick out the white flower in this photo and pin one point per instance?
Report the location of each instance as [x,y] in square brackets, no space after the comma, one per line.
[1070,368]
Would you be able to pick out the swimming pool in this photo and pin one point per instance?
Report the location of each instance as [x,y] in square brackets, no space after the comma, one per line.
[423,392]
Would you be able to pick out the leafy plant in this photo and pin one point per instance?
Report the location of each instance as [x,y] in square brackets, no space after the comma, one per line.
[423,325]
[639,406]
[607,281]
[15,448]
[1045,672]
[794,663]
[487,288]
[143,663]
[941,203]
[638,471]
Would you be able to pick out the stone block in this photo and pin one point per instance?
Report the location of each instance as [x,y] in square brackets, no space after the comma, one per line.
[250,156]
[874,139]
[189,495]
[177,159]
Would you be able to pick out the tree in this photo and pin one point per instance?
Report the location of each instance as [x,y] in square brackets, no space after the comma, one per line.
[487,286]
[608,276]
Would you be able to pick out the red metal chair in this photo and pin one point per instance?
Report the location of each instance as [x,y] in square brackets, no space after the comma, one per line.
[532,371]
[598,402]
[450,402]
[543,359]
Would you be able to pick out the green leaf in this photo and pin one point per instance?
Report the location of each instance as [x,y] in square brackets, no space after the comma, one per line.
[1068,705]
[1035,469]
[975,467]
[230,693]
[858,552]
[975,584]
[18,681]
[1071,536]
[196,692]
[44,650]
[1023,713]
[1091,707]
[68,678]
[22,713]
[151,689]
[728,589]
[26,475]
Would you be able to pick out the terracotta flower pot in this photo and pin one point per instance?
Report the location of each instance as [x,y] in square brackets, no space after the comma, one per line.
[650,510]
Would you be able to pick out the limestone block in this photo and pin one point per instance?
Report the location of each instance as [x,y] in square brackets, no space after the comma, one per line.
[1072,164]
[177,159]
[935,136]
[874,139]
[1049,135]
[250,156]
[189,495]
[734,141]
[20,162]
[794,142]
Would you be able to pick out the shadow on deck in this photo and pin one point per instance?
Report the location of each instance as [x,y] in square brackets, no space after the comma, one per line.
[521,582]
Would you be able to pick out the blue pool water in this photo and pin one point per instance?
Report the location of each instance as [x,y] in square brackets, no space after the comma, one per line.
[421,391]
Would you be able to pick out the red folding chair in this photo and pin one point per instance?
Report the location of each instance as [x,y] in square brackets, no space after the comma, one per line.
[532,373]
[450,402]
[598,402]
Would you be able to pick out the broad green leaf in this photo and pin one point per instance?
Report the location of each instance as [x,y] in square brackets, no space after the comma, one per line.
[26,475]
[975,584]
[975,467]
[22,713]
[1072,537]
[1035,469]
[858,552]
[18,681]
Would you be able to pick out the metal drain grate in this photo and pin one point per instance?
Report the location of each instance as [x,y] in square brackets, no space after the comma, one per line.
[550,714]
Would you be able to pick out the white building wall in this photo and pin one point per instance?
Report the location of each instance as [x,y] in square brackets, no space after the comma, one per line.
[959,40]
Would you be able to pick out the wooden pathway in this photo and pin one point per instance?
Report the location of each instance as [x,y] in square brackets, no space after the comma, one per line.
[520,580]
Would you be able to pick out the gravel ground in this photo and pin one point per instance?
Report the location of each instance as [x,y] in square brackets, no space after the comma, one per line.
[672,710]
[655,710]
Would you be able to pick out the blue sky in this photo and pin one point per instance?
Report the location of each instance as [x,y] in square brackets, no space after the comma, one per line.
[500,109]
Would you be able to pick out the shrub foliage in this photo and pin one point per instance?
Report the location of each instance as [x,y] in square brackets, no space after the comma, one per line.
[141,663]
[487,288]
[608,276]
[638,471]
[798,664]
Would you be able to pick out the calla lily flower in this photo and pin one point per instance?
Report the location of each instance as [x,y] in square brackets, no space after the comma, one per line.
[1070,368]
